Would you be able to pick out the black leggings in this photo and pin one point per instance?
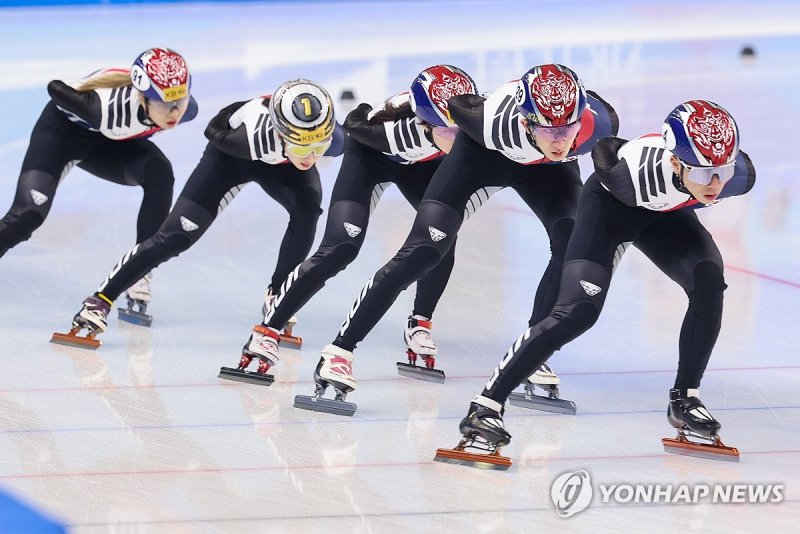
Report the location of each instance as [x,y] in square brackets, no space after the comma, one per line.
[56,145]
[212,186]
[674,241]
[463,182]
[363,177]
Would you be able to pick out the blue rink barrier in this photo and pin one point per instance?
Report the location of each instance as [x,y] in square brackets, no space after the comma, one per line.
[17,517]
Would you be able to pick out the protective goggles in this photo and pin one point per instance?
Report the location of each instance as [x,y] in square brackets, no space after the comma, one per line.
[168,107]
[303,151]
[704,175]
[557,133]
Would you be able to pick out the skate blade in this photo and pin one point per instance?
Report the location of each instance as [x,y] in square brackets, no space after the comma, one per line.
[288,339]
[481,461]
[544,404]
[420,373]
[73,340]
[238,375]
[134,317]
[307,402]
[685,447]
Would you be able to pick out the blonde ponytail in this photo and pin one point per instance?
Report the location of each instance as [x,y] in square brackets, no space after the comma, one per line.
[105,80]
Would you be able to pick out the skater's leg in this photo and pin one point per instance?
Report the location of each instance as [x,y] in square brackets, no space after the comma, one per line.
[300,193]
[357,190]
[137,163]
[684,250]
[434,230]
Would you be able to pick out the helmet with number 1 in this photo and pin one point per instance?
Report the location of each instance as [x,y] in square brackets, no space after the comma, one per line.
[302,112]
[701,134]
[433,87]
[161,74]
[551,95]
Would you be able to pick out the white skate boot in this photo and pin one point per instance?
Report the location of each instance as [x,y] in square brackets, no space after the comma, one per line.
[546,379]
[335,368]
[286,336]
[262,344]
[419,343]
[93,317]
[138,297]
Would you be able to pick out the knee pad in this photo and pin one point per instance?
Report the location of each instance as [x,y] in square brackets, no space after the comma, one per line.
[347,223]
[708,287]
[435,227]
[184,226]
[32,203]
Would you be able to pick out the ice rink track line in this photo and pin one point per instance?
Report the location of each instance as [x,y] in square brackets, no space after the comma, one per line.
[450,378]
[339,420]
[596,507]
[382,465]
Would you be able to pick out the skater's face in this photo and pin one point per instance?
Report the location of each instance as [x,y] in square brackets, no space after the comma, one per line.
[305,156]
[166,115]
[443,137]
[554,142]
[705,193]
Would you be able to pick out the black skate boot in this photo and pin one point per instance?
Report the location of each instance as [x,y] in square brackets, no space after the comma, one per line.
[335,368]
[419,343]
[546,379]
[690,417]
[93,317]
[483,430]
[262,344]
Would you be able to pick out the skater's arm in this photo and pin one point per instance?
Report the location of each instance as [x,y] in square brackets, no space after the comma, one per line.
[232,141]
[84,104]
[371,135]
[467,113]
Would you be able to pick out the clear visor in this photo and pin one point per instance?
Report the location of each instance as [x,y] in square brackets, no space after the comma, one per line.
[557,133]
[168,107]
[303,151]
[704,175]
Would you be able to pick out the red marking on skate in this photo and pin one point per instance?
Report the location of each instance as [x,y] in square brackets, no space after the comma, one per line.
[345,368]
[204,470]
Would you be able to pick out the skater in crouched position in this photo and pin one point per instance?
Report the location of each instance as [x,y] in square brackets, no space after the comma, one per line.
[643,191]
[102,124]
[273,141]
[403,142]
[526,136]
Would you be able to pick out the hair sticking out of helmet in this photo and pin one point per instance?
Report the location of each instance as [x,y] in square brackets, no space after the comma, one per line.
[701,133]
[433,87]
[302,112]
[550,95]
[162,75]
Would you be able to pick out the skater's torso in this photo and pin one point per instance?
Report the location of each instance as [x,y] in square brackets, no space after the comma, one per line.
[640,175]
[245,130]
[495,123]
[403,140]
[116,113]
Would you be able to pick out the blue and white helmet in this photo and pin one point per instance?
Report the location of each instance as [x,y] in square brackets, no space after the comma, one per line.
[433,87]
[161,74]
[701,134]
[551,95]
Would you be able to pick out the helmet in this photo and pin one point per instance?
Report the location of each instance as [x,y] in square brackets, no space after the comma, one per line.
[302,112]
[701,134]
[161,74]
[551,95]
[433,87]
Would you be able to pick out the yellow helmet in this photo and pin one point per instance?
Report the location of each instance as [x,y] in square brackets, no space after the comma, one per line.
[302,112]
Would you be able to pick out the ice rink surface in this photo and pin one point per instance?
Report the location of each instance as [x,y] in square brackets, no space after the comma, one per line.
[141,436]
